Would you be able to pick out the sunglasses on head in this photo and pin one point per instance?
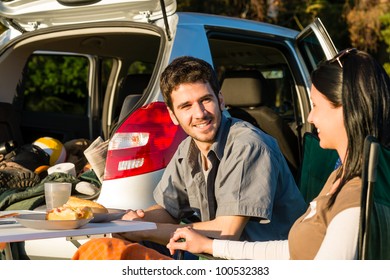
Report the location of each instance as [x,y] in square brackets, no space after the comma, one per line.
[342,54]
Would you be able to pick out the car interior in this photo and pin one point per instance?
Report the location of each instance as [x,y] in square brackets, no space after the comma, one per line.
[258,86]
[9,124]
[255,107]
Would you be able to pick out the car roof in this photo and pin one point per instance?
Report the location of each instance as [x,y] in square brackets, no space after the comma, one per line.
[188,18]
[31,15]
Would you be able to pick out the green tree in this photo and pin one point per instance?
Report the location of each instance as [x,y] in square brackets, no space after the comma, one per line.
[359,23]
[385,20]
[55,84]
[364,23]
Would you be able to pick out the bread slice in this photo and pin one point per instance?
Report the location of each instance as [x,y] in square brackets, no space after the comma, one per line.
[69,213]
[79,202]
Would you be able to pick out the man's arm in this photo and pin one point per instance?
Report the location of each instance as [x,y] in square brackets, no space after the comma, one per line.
[223,227]
[226,227]
[157,214]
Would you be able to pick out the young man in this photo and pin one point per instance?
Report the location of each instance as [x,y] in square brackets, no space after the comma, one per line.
[227,173]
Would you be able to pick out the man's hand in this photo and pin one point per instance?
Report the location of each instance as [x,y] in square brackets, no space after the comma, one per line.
[134,215]
[165,223]
[225,227]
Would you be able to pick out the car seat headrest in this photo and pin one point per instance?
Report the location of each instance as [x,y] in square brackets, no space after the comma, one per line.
[244,88]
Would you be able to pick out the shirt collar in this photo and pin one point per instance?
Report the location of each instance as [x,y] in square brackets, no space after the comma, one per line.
[218,146]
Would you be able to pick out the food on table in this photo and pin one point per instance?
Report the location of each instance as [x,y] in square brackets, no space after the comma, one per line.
[10,215]
[67,212]
[79,202]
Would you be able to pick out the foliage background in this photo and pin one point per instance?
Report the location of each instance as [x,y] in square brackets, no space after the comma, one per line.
[364,24]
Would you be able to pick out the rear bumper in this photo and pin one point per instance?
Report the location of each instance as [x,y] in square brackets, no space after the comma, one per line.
[135,192]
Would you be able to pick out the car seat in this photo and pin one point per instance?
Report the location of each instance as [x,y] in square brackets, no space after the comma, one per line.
[374,228]
[130,91]
[247,95]
[131,85]
[316,166]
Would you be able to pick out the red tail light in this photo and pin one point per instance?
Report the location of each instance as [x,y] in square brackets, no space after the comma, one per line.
[145,142]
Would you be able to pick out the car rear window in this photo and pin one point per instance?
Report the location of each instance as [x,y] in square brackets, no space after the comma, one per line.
[55,84]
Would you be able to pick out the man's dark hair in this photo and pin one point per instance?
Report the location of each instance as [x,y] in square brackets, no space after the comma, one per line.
[186,69]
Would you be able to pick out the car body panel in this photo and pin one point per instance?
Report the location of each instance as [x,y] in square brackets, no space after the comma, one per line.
[32,15]
[137,189]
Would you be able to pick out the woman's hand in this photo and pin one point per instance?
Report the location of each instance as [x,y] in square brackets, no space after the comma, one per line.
[189,240]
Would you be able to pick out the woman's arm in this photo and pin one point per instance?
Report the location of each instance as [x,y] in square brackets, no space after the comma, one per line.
[189,240]
[244,250]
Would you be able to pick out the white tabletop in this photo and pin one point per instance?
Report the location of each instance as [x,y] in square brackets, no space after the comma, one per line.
[16,232]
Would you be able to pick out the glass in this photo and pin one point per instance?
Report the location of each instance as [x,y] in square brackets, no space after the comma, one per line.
[57,194]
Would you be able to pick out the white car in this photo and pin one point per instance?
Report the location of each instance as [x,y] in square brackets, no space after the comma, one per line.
[98,64]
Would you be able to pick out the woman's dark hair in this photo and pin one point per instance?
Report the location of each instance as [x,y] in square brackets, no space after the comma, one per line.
[359,83]
[186,69]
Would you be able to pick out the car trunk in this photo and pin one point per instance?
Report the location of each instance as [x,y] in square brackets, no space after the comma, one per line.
[109,52]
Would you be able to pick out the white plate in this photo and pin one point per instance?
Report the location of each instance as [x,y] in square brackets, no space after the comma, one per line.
[113,214]
[38,221]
